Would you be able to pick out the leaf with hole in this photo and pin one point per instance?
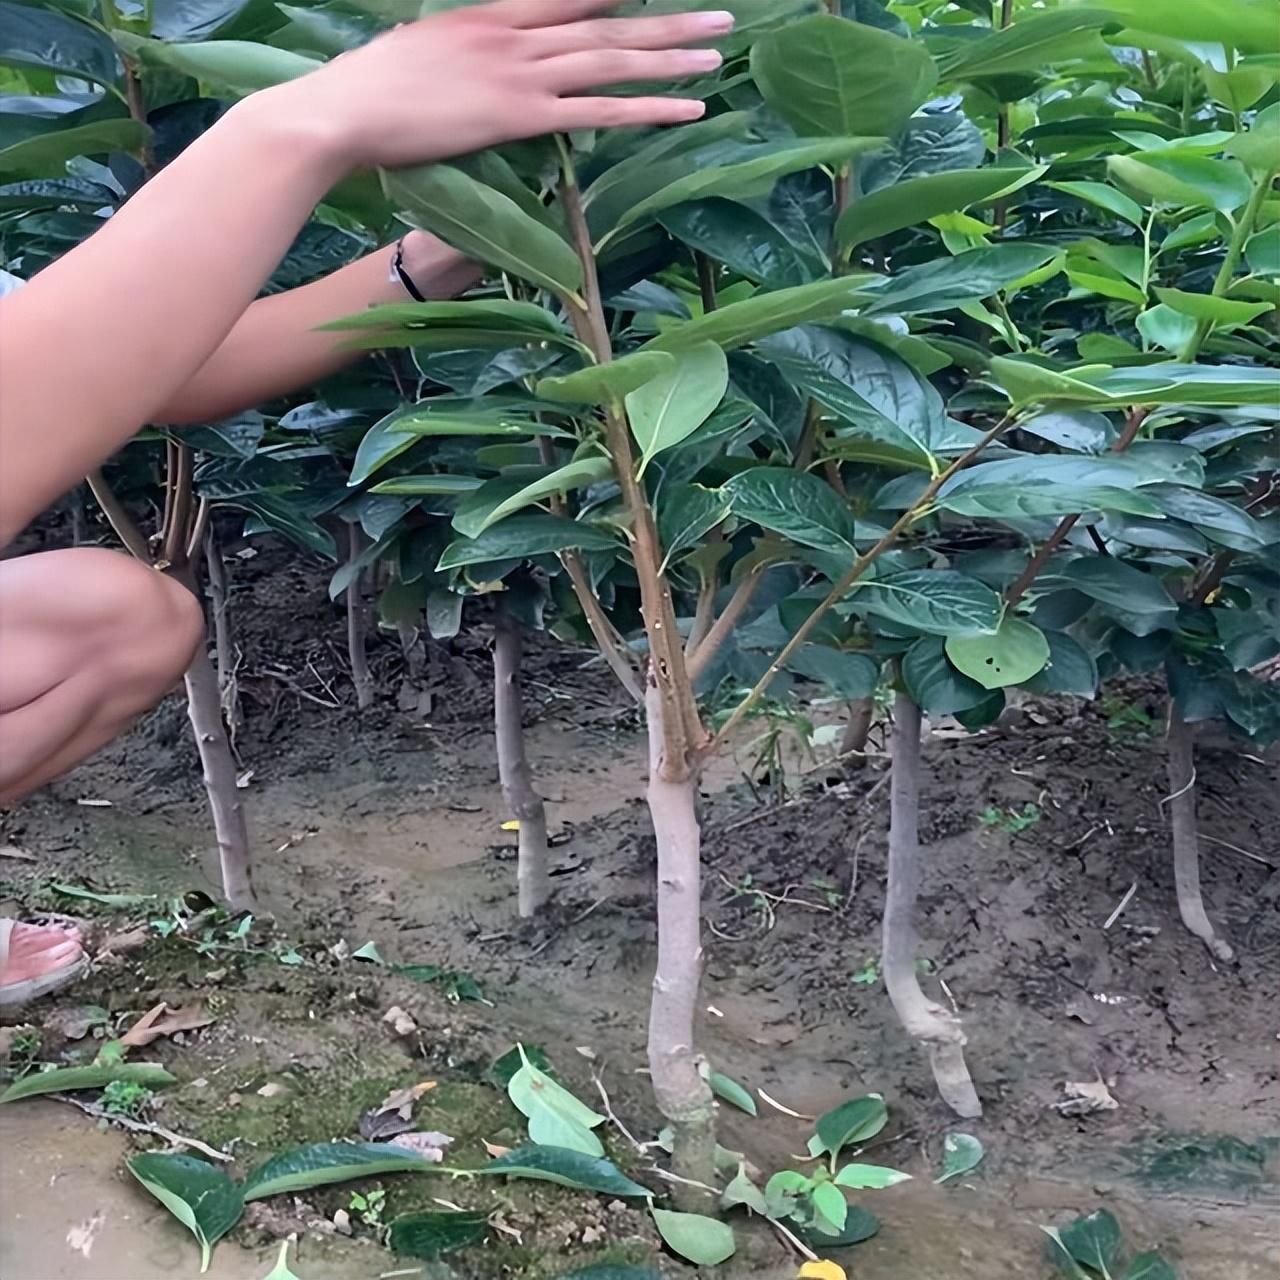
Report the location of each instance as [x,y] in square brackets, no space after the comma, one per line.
[433,1235]
[566,1168]
[698,1239]
[825,75]
[673,405]
[197,1193]
[322,1163]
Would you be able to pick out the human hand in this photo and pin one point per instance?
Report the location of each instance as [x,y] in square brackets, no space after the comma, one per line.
[474,77]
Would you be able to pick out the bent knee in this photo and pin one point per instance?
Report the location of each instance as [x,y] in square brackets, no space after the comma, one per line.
[156,630]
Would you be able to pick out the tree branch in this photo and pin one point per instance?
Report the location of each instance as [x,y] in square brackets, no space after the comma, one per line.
[700,657]
[118,518]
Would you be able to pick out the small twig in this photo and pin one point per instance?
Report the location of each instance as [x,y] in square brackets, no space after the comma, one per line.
[613,1115]
[142,1126]
[778,1106]
[1120,906]
[684,1182]
[793,1240]
[1244,853]
[1181,791]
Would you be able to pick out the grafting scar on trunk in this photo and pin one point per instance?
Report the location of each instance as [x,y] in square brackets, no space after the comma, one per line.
[936,1028]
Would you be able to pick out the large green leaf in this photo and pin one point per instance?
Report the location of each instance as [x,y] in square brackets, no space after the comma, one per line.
[928,143]
[1146,604]
[68,1079]
[1028,499]
[826,75]
[1015,653]
[434,1234]
[198,1194]
[795,504]
[528,535]
[321,1163]
[934,684]
[671,407]
[484,224]
[1247,25]
[936,602]
[685,513]
[31,145]
[947,282]
[1184,179]
[846,675]
[1207,306]
[556,1118]
[1105,197]
[701,1240]
[869,1177]
[1092,1240]
[607,383]
[241,66]
[849,1124]
[739,323]
[566,1168]
[1034,41]
[574,475]
[41,38]
[762,166]
[521,318]
[1220,521]
[917,200]
[1155,384]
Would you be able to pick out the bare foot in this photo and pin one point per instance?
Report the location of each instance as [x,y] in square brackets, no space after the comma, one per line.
[37,950]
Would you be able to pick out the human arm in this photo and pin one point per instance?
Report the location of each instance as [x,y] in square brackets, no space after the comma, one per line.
[101,341]
[275,348]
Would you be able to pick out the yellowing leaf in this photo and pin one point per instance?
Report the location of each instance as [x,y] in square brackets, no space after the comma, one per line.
[821,1271]
[513,825]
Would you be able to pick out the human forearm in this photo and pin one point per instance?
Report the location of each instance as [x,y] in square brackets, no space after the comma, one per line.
[274,348]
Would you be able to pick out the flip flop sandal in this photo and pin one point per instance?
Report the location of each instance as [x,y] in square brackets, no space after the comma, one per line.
[15,994]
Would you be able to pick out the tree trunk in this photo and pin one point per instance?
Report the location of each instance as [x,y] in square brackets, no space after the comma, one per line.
[683,1096]
[937,1028]
[523,802]
[205,710]
[1186,836]
[857,729]
[219,606]
[358,623]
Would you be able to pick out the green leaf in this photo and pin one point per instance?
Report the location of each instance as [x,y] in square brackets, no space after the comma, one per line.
[1244,24]
[672,406]
[1029,499]
[106,899]
[197,1193]
[608,383]
[1092,1240]
[685,513]
[528,535]
[1070,669]
[1263,252]
[1184,179]
[327,30]
[556,1118]
[1079,430]
[282,1271]
[793,503]
[741,1190]
[827,76]
[1164,327]
[1149,1266]
[738,323]
[522,318]
[859,1225]
[731,1091]
[44,146]
[382,443]
[847,675]
[830,1206]
[1035,41]
[755,175]
[433,1235]
[935,601]
[945,283]
[934,684]
[852,1122]
[420,486]
[1105,197]
[917,200]
[241,66]
[1204,306]
[71,1079]
[1220,521]
[961,1153]
[698,1239]
[1257,148]
[567,1168]
[1141,596]
[869,1177]
[1016,652]
[484,224]
[41,38]
[322,1163]
[575,475]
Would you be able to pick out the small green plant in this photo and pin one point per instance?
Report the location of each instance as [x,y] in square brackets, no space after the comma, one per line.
[24,1049]
[1091,1248]
[369,1206]
[869,974]
[127,1098]
[1124,717]
[1014,821]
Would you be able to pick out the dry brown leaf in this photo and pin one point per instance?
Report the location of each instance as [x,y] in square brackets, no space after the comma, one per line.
[495,1149]
[164,1021]
[429,1145]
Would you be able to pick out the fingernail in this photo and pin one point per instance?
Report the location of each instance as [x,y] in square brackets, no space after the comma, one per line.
[716,23]
[701,59]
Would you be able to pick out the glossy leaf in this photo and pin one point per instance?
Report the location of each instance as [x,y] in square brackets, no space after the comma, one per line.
[1029,499]
[869,1177]
[241,66]
[917,200]
[793,503]
[927,143]
[1141,596]
[608,383]
[1092,1239]
[746,241]
[698,1239]
[566,1168]
[1035,41]
[946,283]
[847,675]
[42,38]
[523,536]
[825,75]
[936,602]
[1015,653]
[198,1194]
[830,1208]
[1105,197]
[672,406]
[730,1090]
[961,1154]
[95,1076]
[1184,180]
[1070,669]
[433,1235]
[685,513]
[850,1124]
[323,1163]
[484,224]
[1244,24]
[575,475]
[1205,306]
[44,146]
[934,684]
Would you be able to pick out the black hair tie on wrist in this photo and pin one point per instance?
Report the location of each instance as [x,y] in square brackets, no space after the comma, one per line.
[398,272]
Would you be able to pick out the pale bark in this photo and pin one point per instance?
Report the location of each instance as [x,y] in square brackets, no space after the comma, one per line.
[1186,835]
[223,649]
[230,830]
[924,1020]
[358,624]
[533,873]
[683,1096]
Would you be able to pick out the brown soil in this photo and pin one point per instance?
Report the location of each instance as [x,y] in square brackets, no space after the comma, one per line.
[386,828]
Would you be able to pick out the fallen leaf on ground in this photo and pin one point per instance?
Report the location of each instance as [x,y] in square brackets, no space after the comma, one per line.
[401,1023]
[12,851]
[164,1021]
[126,942]
[513,825]
[272,1089]
[1084,1097]
[394,1114]
[428,1144]
[495,1149]
[821,1270]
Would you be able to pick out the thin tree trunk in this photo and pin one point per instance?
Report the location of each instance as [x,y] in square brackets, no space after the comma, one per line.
[533,877]
[358,624]
[937,1028]
[857,729]
[205,711]
[683,1096]
[1186,836]
[219,607]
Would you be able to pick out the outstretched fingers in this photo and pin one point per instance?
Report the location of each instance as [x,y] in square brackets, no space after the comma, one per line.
[625,113]
[667,32]
[575,72]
